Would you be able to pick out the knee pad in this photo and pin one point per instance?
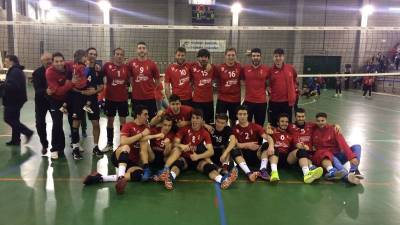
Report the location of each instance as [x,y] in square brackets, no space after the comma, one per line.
[136,175]
[179,163]
[235,153]
[200,148]
[301,153]
[123,157]
[264,146]
[208,168]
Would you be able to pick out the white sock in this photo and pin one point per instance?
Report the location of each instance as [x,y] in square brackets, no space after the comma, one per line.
[305,170]
[121,171]
[244,167]
[109,178]
[218,179]
[311,165]
[329,168]
[173,174]
[274,167]
[76,145]
[264,163]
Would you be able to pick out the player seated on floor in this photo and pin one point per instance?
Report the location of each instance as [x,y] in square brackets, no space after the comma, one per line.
[180,114]
[128,157]
[223,142]
[290,150]
[250,150]
[192,150]
[329,144]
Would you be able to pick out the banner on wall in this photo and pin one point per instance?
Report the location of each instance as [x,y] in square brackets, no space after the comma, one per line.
[193,45]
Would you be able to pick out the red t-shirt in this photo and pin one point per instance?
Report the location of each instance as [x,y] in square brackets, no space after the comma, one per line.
[179,78]
[117,80]
[251,133]
[159,145]
[58,82]
[255,80]
[78,71]
[202,83]
[131,129]
[278,82]
[193,138]
[229,82]
[143,75]
[302,134]
[185,113]
[283,141]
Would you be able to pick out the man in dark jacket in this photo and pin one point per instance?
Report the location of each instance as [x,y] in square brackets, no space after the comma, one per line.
[42,104]
[14,98]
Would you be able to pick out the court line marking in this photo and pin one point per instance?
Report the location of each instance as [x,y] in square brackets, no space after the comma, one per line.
[307,103]
[80,179]
[221,208]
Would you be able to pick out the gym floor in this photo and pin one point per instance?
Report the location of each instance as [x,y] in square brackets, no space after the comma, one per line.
[36,190]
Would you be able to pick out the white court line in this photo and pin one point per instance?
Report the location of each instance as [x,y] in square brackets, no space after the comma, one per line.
[307,103]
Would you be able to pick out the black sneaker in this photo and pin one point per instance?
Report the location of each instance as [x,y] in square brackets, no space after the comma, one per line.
[13,143]
[44,151]
[97,152]
[93,178]
[29,137]
[76,154]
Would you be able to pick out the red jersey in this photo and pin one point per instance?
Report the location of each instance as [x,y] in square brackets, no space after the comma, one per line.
[117,80]
[302,134]
[229,82]
[282,83]
[58,82]
[179,78]
[255,79]
[143,75]
[131,129]
[158,95]
[78,71]
[327,138]
[368,80]
[251,133]
[159,145]
[283,141]
[202,83]
[193,138]
[185,113]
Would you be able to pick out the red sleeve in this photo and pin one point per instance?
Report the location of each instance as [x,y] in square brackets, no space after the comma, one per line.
[344,146]
[207,137]
[154,130]
[167,78]
[156,72]
[242,69]
[53,85]
[260,130]
[294,76]
[126,130]
[181,133]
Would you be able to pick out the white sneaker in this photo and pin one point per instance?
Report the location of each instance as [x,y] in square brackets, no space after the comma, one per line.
[54,155]
[335,95]
[107,148]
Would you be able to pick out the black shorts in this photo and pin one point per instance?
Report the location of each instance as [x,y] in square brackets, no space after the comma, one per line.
[276,108]
[187,102]
[75,104]
[208,110]
[191,165]
[158,161]
[251,158]
[94,105]
[150,104]
[112,107]
[282,162]
[114,161]
[217,155]
[230,107]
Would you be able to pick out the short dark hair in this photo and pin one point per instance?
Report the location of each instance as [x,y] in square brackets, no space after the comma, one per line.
[57,54]
[300,110]
[78,55]
[203,53]
[13,58]
[282,115]
[139,110]
[197,112]
[180,49]
[321,114]
[256,50]
[174,98]
[242,107]
[116,49]
[221,116]
[279,51]
[141,43]
[168,118]
[230,49]
[90,48]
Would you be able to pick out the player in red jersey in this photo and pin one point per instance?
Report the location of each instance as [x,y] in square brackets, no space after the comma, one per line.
[193,148]
[116,75]
[202,75]
[282,82]
[250,149]
[128,157]
[290,151]
[177,78]
[228,82]
[255,78]
[145,79]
